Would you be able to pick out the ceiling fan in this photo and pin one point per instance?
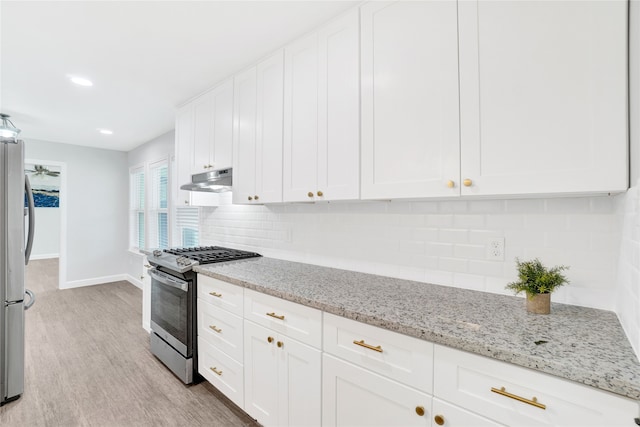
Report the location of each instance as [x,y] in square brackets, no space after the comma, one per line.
[40,170]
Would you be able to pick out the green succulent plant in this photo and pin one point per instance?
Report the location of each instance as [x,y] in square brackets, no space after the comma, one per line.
[534,278]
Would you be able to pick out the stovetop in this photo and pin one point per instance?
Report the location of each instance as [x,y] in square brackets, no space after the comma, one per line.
[211,254]
[181,260]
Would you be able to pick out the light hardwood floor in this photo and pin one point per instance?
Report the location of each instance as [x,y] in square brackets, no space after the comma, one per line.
[88,364]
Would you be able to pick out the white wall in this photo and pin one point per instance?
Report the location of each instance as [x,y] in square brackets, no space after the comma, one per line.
[156,149]
[46,240]
[97,205]
[439,242]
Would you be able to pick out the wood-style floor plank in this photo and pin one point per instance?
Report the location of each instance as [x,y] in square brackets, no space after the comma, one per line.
[88,363]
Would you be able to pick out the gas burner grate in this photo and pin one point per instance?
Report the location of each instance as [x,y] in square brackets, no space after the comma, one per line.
[211,254]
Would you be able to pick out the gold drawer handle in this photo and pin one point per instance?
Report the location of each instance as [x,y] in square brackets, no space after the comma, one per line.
[218,330]
[215,294]
[276,316]
[215,371]
[533,401]
[361,343]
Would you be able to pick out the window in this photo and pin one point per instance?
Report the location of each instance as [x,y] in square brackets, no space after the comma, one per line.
[186,226]
[158,221]
[136,208]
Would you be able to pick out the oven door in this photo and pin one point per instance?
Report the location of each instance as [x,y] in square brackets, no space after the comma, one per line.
[171,315]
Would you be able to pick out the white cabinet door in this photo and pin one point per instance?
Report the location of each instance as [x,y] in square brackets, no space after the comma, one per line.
[282,378]
[454,416]
[301,120]
[261,373]
[146,295]
[244,137]
[543,96]
[410,112]
[221,153]
[202,133]
[299,383]
[184,147]
[270,110]
[353,396]
[339,109]
[258,118]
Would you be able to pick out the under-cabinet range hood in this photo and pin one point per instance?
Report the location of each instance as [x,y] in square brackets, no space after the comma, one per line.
[216,181]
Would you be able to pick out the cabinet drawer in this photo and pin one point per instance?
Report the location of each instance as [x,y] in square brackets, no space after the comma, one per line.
[402,358]
[221,294]
[291,319]
[467,380]
[353,396]
[228,375]
[220,328]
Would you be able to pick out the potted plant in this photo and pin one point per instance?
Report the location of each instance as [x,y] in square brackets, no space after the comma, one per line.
[538,282]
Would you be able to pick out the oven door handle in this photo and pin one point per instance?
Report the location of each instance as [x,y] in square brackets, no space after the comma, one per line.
[168,280]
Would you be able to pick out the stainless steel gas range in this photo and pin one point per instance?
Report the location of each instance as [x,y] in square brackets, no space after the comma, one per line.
[173,303]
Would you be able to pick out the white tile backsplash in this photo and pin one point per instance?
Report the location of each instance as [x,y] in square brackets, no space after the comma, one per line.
[441,242]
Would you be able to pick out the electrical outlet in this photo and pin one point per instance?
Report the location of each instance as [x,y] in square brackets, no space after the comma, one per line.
[495,249]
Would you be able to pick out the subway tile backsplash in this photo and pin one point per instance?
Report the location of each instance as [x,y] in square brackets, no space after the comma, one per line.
[441,242]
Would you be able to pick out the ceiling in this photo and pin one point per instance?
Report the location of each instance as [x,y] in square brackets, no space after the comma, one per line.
[144,58]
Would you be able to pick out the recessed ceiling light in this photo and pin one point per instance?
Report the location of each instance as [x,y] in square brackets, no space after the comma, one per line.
[81,81]
[105,131]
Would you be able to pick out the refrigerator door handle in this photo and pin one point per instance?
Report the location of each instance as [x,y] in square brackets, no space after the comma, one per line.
[32,299]
[32,220]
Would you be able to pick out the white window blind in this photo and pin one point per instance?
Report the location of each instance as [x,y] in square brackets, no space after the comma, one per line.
[186,226]
[136,208]
[158,221]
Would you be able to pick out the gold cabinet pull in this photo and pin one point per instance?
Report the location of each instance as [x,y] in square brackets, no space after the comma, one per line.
[276,316]
[533,401]
[215,294]
[420,410]
[218,330]
[280,344]
[467,182]
[439,419]
[270,339]
[255,197]
[250,198]
[215,371]
[451,184]
[361,343]
[310,194]
[320,193]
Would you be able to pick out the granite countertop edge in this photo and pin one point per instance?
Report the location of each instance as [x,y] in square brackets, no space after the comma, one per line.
[627,387]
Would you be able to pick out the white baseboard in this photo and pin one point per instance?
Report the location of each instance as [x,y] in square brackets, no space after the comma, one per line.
[43,256]
[135,282]
[94,281]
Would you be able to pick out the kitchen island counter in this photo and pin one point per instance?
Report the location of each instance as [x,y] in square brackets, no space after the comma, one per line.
[581,344]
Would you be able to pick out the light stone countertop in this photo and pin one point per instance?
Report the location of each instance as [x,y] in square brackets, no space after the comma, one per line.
[585,345]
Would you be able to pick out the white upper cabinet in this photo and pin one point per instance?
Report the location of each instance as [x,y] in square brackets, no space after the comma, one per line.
[183,147]
[410,126]
[321,118]
[543,96]
[213,129]
[257,142]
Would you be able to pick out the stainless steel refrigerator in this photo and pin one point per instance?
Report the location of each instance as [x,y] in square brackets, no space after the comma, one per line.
[16,226]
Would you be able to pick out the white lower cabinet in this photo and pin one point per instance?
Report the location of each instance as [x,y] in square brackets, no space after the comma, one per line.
[353,396]
[445,414]
[517,396]
[282,378]
[222,371]
[340,372]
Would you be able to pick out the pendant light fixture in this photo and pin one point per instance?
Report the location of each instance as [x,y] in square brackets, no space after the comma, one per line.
[7,128]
